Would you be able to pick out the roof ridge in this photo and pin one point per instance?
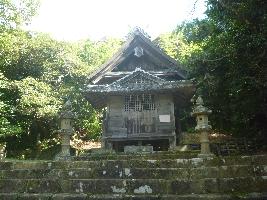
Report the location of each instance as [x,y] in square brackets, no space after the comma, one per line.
[139,31]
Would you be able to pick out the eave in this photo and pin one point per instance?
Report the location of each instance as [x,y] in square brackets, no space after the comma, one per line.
[97,95]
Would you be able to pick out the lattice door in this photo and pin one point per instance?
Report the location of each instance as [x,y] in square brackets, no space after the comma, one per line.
[140,113]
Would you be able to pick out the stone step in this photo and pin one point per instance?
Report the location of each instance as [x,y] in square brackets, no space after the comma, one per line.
[124,156]
[41,196]
[30,186]
[190,173]
[135,178]
[135,186]
[138,163]
[162,186]
[66,196]
[253,196]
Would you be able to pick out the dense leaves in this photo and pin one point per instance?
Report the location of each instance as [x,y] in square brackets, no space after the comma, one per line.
[7,124]
[231,67]
[226,54]
[176,45]
[37,75]
[16,13]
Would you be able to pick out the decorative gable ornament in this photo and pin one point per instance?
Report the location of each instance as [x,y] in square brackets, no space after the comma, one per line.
[138,76]
[138,51]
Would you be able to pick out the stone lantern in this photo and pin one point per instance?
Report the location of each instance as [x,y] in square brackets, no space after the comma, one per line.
[201,113]
[66,129]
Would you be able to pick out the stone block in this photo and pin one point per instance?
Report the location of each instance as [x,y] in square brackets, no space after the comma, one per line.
[34,196]
[260,184]
[135,149]
[11,185]
[259,159]
[147,186]
[24,174]
[236,160]
[186,187]
[211,185]
[5,165]
[204,172]
[29,165]
[98,186]
[69,197]
[8,196]
[42,186]
[237,185]
[232,171]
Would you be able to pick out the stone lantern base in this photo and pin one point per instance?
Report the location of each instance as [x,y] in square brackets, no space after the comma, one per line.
[201,155]
[62,157]
[205,144]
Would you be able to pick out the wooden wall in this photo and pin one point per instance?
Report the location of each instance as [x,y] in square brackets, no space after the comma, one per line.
[165,108]
[163,116]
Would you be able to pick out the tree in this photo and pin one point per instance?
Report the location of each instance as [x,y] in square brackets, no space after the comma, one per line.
[7,124]
[231,68]
[96,53]
[38,74]
[176,45]
[14,14]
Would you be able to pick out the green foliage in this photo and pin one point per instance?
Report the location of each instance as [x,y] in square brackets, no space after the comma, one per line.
[176,46]
[6,111]
[37,98]
[230,66]
[96,53]
[226,54]
[37,74]
[235,66]
[16,13]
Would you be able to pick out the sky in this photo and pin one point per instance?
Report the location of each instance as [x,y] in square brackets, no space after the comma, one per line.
[72,20]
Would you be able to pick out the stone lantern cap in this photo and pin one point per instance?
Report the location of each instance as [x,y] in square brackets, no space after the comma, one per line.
[66,112]
[199,108]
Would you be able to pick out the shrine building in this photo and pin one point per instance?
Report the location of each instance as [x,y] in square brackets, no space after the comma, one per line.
[142,90]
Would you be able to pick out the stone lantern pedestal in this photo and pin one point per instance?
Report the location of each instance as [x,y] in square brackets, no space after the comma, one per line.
[66,130]
[65,143]
[201,113]
[2,151]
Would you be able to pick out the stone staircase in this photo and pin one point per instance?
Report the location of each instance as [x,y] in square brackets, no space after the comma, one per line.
[156,176]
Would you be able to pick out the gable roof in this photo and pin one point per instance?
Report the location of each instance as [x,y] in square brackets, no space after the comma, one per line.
[137,37]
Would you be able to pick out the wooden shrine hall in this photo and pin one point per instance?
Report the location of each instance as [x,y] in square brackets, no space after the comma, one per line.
[142,90]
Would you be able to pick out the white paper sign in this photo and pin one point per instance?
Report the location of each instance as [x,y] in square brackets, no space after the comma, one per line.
[164,118]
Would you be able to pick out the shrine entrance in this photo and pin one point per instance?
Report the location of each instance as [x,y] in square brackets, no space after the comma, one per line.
[139,86]
[140,113]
